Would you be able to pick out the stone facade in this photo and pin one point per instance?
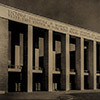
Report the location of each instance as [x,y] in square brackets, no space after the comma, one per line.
[46,54]
[3,54]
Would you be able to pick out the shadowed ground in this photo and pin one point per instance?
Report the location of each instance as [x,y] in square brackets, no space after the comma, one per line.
[51,96]
[81,96]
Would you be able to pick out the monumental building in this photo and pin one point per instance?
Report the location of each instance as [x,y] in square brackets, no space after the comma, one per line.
[41,54]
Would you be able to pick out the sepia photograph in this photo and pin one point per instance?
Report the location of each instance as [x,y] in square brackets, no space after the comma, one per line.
[49,50]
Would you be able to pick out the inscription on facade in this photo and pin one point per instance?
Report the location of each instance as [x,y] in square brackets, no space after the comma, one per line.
[80,33]
[50,24]
[74,31]
[34,20]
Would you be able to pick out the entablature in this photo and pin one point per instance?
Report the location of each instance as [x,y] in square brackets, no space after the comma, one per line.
[14,14]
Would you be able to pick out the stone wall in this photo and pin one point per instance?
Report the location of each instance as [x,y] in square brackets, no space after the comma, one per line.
[3,54]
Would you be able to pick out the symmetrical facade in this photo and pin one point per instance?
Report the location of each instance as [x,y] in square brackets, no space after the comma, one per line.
[40,54]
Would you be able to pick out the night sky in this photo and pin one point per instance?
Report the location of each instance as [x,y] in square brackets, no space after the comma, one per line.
[82,13]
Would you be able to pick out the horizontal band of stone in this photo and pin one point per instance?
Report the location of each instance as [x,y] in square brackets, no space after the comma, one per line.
[35,20]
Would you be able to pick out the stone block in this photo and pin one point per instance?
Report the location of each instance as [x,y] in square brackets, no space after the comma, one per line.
[21,49]
[17,56]
[41,46]
[58,46]
[36,58]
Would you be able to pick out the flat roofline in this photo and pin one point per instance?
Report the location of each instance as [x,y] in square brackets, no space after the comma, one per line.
[18,15]
[48,18]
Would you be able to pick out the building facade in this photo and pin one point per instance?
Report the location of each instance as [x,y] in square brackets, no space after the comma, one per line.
[41,54]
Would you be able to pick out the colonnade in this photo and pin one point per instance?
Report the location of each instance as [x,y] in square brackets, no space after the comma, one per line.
[65,62]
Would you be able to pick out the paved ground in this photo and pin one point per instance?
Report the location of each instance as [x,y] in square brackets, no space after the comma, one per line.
[52,96]
[80,96]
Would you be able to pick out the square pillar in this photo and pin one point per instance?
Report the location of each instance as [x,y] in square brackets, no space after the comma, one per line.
[94,65]
[65,63]
[48,60]
[3,55]
[30,57]
[80,63]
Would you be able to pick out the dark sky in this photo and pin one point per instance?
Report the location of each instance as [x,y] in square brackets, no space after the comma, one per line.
[82,13]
